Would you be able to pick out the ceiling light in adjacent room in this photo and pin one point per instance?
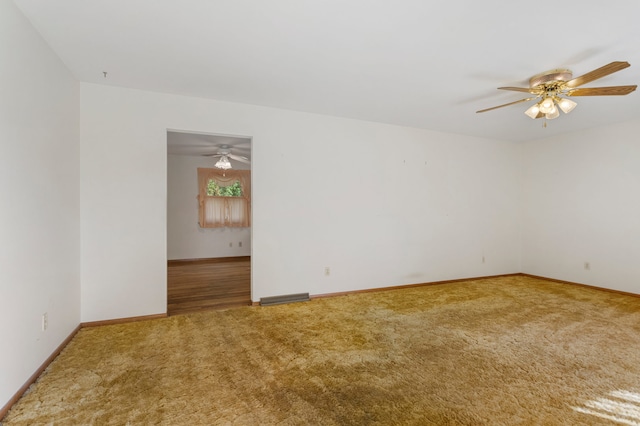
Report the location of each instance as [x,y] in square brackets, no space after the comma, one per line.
[223,163]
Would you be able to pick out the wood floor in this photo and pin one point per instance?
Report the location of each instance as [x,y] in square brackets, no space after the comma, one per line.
[194,285]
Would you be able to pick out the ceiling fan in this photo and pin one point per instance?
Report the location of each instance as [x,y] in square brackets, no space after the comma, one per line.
[224,154]
[550,89]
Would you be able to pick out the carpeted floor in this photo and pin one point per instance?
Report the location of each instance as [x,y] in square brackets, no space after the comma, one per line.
[504,351]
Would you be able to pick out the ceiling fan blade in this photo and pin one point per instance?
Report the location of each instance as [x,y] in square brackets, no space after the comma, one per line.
[520,89]
[603,91]
[211,155]
[598,73]
[239,158]
[501,106]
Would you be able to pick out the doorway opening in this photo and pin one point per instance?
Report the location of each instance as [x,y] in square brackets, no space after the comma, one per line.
[209,264]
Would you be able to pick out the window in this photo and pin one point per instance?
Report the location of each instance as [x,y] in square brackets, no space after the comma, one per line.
[215,190]
[224,198]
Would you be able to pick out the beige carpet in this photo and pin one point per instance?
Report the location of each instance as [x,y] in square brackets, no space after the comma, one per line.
[506,351]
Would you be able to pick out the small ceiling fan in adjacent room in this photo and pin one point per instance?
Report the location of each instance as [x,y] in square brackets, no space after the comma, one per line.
[551,90]
[225,153]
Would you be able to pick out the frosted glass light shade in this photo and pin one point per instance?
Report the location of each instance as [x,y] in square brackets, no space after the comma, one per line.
[533,111]
[547,106]
[223,163]
[566,105]
[554,113]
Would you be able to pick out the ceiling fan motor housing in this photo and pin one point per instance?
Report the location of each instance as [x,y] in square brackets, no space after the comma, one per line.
[556,75]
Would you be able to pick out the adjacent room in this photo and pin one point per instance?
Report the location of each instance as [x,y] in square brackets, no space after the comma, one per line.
[451,187]
[208,221]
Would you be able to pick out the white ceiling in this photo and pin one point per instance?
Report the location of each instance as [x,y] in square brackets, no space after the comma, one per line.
[428,64]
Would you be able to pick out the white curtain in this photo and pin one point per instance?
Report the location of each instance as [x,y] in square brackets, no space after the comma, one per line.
[220,212]
[236,209]
[214,211]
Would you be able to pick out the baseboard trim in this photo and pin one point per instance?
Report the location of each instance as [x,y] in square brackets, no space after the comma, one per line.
[4,410]
[122,320]
[609,290]
[184,262]
[399,287]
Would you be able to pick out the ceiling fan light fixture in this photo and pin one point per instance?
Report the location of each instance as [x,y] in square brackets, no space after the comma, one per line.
[566,105]
[547,87]
[223,163]
[533,111]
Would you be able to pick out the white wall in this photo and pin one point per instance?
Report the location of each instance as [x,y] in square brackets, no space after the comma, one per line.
[39,211]
[582,204]
[380,205]
[185,239]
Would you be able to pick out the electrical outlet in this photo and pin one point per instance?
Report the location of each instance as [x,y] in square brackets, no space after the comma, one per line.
[327,271]
[587,266]
[482,259]
[240,244]
[230,244]
[45,321]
